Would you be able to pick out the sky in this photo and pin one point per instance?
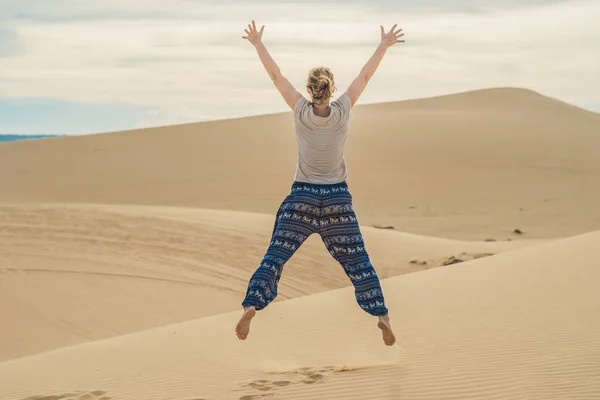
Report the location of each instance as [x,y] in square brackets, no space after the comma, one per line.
[77,67]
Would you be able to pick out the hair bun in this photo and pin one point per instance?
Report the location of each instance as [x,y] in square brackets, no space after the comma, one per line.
[324,80]
[320,81]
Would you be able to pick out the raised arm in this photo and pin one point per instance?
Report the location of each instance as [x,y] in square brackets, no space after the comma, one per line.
[287,90]
[360,82]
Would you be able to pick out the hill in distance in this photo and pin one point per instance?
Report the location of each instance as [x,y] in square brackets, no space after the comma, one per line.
[474,165]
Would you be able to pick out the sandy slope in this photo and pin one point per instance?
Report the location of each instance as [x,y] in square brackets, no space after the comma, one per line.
[74,273]
[96,249]
[472,166]
[519,325]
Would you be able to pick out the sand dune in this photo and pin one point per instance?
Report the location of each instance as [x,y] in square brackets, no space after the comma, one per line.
[124,257]
[522,324]
[472,166]
[75,273]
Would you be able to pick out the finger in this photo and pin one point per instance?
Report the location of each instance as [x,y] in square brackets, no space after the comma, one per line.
[400,41]
[262,29]
[399,36]
[398,31]
[250,27]
[393,27]
[254,24]
[244,37]
[247,32]
[382,31]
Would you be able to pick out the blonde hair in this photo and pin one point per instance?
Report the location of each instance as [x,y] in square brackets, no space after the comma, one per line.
[321,84]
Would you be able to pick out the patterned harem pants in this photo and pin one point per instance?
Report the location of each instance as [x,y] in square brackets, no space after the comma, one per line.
[328,211]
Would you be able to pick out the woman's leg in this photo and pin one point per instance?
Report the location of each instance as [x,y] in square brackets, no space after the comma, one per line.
[341,234]
[296,220]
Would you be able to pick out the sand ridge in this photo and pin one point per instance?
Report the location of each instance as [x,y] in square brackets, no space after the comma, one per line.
[75,273]
[124,257]
[500,327]
[470,166]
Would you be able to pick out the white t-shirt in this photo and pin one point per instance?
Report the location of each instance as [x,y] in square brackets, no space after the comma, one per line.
[321,141]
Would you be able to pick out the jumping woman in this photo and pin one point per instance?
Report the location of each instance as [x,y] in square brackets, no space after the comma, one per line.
[319,201]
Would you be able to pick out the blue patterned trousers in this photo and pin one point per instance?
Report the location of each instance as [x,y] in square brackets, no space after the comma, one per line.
[328,211]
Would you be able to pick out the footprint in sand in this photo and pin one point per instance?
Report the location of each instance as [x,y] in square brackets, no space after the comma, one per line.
[265,386]
[308,375]
[79,395]
[313,378]
[195,398]
[256,396]
[313,375]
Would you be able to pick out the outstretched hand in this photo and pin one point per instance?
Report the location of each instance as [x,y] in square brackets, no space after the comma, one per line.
[392,37]
[254,36]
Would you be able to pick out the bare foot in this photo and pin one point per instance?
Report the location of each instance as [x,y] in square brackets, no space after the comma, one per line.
[386,329]
[243,325]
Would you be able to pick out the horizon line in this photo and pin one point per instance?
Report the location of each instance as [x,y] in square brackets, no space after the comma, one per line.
[242,116]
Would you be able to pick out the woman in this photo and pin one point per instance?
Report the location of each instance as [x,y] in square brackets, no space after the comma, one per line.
[320,201]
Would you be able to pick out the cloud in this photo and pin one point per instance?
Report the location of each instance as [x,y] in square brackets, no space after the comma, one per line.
[186,60]
[10,43]
[75,10]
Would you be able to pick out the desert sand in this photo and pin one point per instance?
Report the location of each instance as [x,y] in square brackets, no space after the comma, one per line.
[472,166]
[502,327]
[124,257]
[110,270]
